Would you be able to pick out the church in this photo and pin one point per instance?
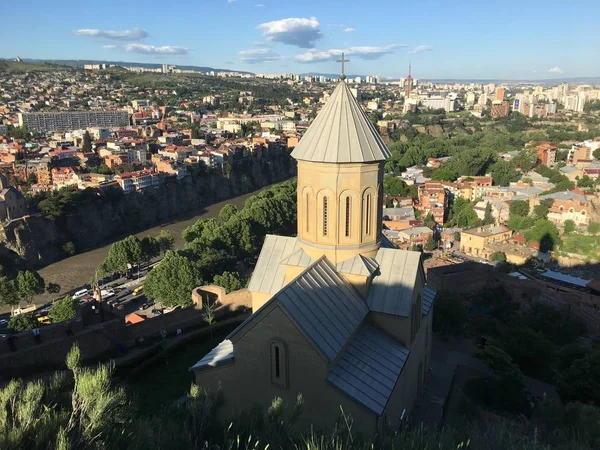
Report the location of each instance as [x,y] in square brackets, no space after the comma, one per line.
[339,315]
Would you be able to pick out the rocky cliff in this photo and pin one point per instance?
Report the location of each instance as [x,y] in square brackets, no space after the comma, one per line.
[37,241]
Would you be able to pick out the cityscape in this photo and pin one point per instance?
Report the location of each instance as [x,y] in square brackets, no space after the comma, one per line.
[330,241]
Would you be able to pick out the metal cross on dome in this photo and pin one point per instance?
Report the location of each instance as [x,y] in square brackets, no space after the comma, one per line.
[343,76]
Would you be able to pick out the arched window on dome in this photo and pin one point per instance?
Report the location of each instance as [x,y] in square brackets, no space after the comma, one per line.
[325,215]
[368,208]
[307,211]
[348,216]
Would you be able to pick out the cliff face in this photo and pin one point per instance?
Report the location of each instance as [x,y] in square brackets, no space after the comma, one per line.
[37,241]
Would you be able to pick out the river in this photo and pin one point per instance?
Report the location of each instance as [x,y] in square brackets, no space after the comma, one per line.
[77,270]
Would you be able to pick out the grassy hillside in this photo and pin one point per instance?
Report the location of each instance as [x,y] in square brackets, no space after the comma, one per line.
[23,67]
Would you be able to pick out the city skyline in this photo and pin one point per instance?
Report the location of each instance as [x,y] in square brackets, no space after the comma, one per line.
[271,37]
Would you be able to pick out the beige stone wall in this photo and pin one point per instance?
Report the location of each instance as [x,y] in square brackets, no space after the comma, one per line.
[362,184]
[248,380]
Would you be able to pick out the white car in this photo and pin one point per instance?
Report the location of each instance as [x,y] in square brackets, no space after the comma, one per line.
[81,293]
[107,293]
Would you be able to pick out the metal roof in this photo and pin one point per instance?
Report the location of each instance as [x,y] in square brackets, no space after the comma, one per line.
[221,354]
[391,292]
[428,299]
[566,278]
[269,273]
[298,258]
[324,306]
[369,367]
[358,265]
[341,133]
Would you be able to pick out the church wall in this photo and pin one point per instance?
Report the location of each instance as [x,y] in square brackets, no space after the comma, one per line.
[396,326]
[248,380]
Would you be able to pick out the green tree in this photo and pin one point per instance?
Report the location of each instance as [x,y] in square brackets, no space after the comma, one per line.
[166,241]
[30,284]
[596,153]
[53,288]
[22,322]
[394,187]
[69,249]
[172,280]
[150,248]
[581,382]
[503,173]
[544,232]
[430,245]
[594,227]
[87,142]
[519,208]
[122,254]
[63,310]
[429,221]
[586,182]
[450,315]
[230,281]
[541,211]
[498,256]
[9,296]
[569,226]
[227,212]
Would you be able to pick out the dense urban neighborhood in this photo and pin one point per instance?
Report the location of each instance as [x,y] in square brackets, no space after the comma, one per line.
[396,247]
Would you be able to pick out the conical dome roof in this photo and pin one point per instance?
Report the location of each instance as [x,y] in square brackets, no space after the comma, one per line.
[341,133]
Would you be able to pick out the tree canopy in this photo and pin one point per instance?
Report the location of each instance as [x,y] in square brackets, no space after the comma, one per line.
[30,284]
[9,296]
[63,310]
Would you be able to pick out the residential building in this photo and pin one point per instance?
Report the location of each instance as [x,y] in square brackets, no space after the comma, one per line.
[499,109]
[546,153]
[433,199]
[72,120]
[415,236]
[473,241]
[138,181]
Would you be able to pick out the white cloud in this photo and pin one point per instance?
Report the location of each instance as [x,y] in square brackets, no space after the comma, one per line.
[156,50]
[349,30]
[110,46]
[135,34]
[258,56]
[362,52]
[259,5]
[421,48]
[556,69]
[300,32]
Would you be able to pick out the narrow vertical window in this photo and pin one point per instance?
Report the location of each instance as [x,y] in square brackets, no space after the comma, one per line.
[368,215]
[347,216]
[324,216]
[307,217]
[277,366]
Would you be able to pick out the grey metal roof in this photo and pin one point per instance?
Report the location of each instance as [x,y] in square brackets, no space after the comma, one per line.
[341,133]
[386,243]
[566,278]
[324,306]
[369,367]
[358,265]
[428,299]
[269,273]
[391,292]
[298,258]
[221,354]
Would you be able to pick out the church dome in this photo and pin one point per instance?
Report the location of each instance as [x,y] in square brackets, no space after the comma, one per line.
[341,133]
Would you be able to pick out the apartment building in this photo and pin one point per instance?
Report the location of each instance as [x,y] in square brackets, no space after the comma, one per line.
[72,120]
[473,241]
[138,181]
[433,199]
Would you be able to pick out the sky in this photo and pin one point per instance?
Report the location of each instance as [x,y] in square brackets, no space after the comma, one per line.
[460,39]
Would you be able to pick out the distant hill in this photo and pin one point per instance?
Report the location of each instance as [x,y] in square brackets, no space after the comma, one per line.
[79,63]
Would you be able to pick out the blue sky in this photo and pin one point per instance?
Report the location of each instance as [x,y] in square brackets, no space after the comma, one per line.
[527,39]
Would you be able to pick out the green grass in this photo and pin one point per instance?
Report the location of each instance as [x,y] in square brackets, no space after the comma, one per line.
[23,67]
[169,377]
[584,245]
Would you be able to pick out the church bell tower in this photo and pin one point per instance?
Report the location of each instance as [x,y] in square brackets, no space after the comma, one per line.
[340,181]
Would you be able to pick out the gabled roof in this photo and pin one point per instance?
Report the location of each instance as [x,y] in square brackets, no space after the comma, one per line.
[324,306]
[269,273]
[341,133]
[221,354]
[369,367]
[358,265]
[298,258]
[391,292]
[428,299]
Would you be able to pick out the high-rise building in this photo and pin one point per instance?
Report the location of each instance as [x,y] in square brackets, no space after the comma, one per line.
[500,94]
[408,81]
[499,109]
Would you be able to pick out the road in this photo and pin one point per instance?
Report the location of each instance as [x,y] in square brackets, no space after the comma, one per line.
[78,270]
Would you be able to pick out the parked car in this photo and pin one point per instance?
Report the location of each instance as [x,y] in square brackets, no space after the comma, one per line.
[138,290]
[80,293]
